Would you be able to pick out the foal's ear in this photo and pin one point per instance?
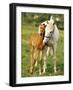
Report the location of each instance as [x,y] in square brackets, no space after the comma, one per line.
[44,25]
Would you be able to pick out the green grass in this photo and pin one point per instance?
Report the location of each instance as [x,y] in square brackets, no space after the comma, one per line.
[26,30]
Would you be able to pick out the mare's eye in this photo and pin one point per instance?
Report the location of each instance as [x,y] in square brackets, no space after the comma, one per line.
[51,32]
[53,23]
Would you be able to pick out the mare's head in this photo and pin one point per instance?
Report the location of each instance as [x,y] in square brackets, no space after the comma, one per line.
[49,30]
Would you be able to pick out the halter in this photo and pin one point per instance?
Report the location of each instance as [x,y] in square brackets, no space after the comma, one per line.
[47,36]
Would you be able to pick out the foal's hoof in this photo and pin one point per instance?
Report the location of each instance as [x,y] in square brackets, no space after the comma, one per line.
[31,72]
[36,64]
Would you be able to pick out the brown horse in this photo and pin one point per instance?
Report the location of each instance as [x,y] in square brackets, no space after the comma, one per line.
[36,49]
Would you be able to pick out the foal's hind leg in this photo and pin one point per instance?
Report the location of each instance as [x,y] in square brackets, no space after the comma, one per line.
[35,58]
[36,54]
[31,59]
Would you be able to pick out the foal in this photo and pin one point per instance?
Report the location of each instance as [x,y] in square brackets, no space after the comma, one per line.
[36,49]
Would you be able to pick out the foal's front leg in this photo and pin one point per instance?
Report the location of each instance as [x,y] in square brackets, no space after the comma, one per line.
[40,62]
[33,60]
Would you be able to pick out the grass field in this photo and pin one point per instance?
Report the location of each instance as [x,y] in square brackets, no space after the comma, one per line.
[26,30]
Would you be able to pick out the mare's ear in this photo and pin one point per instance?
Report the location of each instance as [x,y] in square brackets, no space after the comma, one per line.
[47,22]
[54,23]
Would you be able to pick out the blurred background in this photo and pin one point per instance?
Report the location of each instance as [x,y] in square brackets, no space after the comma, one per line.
[37,18]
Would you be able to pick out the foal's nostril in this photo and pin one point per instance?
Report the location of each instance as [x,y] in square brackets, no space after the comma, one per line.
[41,34]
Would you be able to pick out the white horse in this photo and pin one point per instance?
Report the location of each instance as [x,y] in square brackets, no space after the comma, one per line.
[50,40]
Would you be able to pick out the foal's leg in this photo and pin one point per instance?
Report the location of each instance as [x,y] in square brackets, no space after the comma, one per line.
[40,62]
[35,57]
[36,54]
[36,64]
[31,59]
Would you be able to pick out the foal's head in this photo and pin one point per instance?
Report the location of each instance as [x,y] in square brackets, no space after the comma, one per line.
[42,29]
